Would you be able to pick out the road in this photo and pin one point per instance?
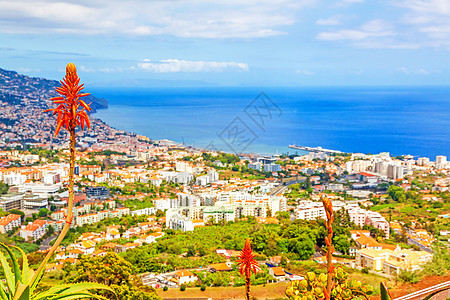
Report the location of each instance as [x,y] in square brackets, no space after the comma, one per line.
[46,243]
[279,190]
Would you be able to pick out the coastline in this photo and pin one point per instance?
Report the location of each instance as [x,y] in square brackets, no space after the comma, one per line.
[336,119]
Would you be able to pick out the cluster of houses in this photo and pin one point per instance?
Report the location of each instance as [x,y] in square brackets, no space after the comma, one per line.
[186,277]
[311,210]
[385,258]
[90,213]
[92,243]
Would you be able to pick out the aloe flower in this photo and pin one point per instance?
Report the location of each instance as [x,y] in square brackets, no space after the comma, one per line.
[247,265]
[21,283]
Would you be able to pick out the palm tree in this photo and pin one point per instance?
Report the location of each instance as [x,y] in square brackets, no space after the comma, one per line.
[247,264]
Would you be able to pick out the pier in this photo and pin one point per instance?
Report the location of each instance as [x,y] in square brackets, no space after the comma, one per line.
[315,149]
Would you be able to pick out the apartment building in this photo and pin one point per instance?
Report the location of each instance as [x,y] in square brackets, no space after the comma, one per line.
[391,261]
[9,222]
[34,230]
[11,201]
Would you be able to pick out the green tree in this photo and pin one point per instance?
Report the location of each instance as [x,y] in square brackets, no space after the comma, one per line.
[43,212]
[4,187]
[112,271]
[191,251]
[341,243]
[396,193]
[302,246]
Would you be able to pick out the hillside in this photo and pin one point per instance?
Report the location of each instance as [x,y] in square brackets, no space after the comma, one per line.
[16,88]
[23,101]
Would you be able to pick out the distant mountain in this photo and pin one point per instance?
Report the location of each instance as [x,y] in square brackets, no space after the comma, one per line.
[14,88]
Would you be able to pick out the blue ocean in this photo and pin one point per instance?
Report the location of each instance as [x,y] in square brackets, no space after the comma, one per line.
[399,120]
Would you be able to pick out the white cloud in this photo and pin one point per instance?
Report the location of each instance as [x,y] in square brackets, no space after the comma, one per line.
[176,65]
[183,18]
[371,29]
[429,19]
[86,69]
[347,2]
[334,20]
[420,71]
[28,70]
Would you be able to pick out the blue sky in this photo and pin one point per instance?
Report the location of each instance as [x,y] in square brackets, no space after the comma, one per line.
[230,42]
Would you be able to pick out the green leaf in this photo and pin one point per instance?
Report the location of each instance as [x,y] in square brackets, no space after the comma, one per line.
[34,284]
[79,295]
[22,292]
[384,292]
[2,291]
[15,264]
[25,277]
[72,289]
[10,281]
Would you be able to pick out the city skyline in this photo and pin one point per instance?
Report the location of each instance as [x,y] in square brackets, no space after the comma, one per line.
[256,43]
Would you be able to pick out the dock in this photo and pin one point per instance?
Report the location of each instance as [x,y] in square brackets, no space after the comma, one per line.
[315,149]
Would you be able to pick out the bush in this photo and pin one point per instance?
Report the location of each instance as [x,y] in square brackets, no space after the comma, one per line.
[202,287]
[365,270]
[183,287]
[165,288]
[409,276]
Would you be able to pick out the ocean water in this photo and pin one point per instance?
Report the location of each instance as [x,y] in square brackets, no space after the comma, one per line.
[399,120]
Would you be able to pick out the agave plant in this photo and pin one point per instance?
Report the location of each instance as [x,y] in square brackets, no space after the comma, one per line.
[20,284]
[247,264]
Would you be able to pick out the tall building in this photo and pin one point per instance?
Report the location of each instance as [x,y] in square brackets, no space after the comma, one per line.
[441,162]
[423,161]
[272,168]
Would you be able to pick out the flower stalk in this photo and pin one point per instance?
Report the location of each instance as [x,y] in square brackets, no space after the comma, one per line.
[328,206]
[71,112]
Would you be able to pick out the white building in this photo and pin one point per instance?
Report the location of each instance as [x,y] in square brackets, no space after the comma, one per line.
[34,202]
[180,222]
[441,162]
[14,179]
[34,230]
[272,168]
[42,190]
[145,211]
[255,166]
[9,222]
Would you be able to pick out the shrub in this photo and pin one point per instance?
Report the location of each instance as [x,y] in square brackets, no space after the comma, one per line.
[409,276]
[202,287]
[183,287]
[314,287]
[165,288]
[365,270]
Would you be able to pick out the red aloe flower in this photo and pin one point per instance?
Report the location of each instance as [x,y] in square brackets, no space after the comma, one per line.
[247,264]
[247,260]
[71,110]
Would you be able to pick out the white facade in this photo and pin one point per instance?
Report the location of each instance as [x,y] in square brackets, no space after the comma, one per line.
[180,222]
[9,222]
